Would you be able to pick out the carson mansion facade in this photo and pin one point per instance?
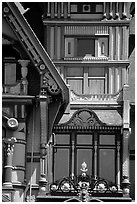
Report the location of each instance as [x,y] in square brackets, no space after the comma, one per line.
[68,106]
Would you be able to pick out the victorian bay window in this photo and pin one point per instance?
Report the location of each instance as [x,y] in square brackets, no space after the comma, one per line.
[99,151]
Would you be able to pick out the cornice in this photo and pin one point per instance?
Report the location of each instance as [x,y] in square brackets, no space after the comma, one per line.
[88,63]
[87,22]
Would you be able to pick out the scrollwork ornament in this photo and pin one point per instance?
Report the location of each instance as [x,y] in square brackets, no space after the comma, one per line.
[51,85]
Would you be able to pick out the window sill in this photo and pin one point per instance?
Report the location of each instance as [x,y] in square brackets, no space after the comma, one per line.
[86,58]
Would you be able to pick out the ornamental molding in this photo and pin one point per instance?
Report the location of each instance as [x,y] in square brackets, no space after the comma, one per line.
[74,97]
[84,118]
[86,30]
[84,186]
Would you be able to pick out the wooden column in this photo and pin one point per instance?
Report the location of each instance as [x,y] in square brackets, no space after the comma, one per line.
[49,9]
[125,42]
[118,165]
[19,156]
[58,43]
[52,42]
[68,9]
[86,88]
[62,9]
[9,145]
[43,143]
[124,76]
[95,156]
[126,135]
[104,11]
[111,80]
[56,8]
[117,80]
[117,54]
[111,43]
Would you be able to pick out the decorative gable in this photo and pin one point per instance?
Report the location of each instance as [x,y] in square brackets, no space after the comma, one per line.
[84,118]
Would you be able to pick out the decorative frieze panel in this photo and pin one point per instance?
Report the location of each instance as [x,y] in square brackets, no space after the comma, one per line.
[84,118]
[86,30]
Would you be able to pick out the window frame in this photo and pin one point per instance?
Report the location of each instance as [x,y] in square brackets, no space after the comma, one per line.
[95,147]
[73,45]
[85,80]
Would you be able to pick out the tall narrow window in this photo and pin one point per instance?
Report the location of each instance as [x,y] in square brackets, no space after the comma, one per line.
[107,152]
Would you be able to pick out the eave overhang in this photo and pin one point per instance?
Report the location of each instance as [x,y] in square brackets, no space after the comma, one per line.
[19,20]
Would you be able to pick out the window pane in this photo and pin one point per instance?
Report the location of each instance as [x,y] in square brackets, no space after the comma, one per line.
[84,155]
[73,72]
[96,86]
[61,164]
[62,139]
[76,85]
[84,139]
[107,164]
[85,46]
[96,72]
[107,139]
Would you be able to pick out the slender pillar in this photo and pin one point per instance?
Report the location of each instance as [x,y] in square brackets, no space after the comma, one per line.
[24,72]
[124,14]
[52,42]
[126,135]
[125,173]
[110,10]
[104,11]
[111,80]
[19,156]
[117,11]
[48,12]
[68,9]
[56,8]
[62,9]
[43,143]
[9,143]
[95,158]
[125,43]
[58,42]
[86,88]
[111,44]
[73,149]
[118,165]
[117,80]
[124,76]
[117,54]
[52,9]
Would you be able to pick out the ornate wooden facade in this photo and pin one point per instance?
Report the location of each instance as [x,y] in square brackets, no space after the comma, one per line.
[66,104]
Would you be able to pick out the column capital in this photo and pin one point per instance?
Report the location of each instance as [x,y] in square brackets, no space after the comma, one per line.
[24,63]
